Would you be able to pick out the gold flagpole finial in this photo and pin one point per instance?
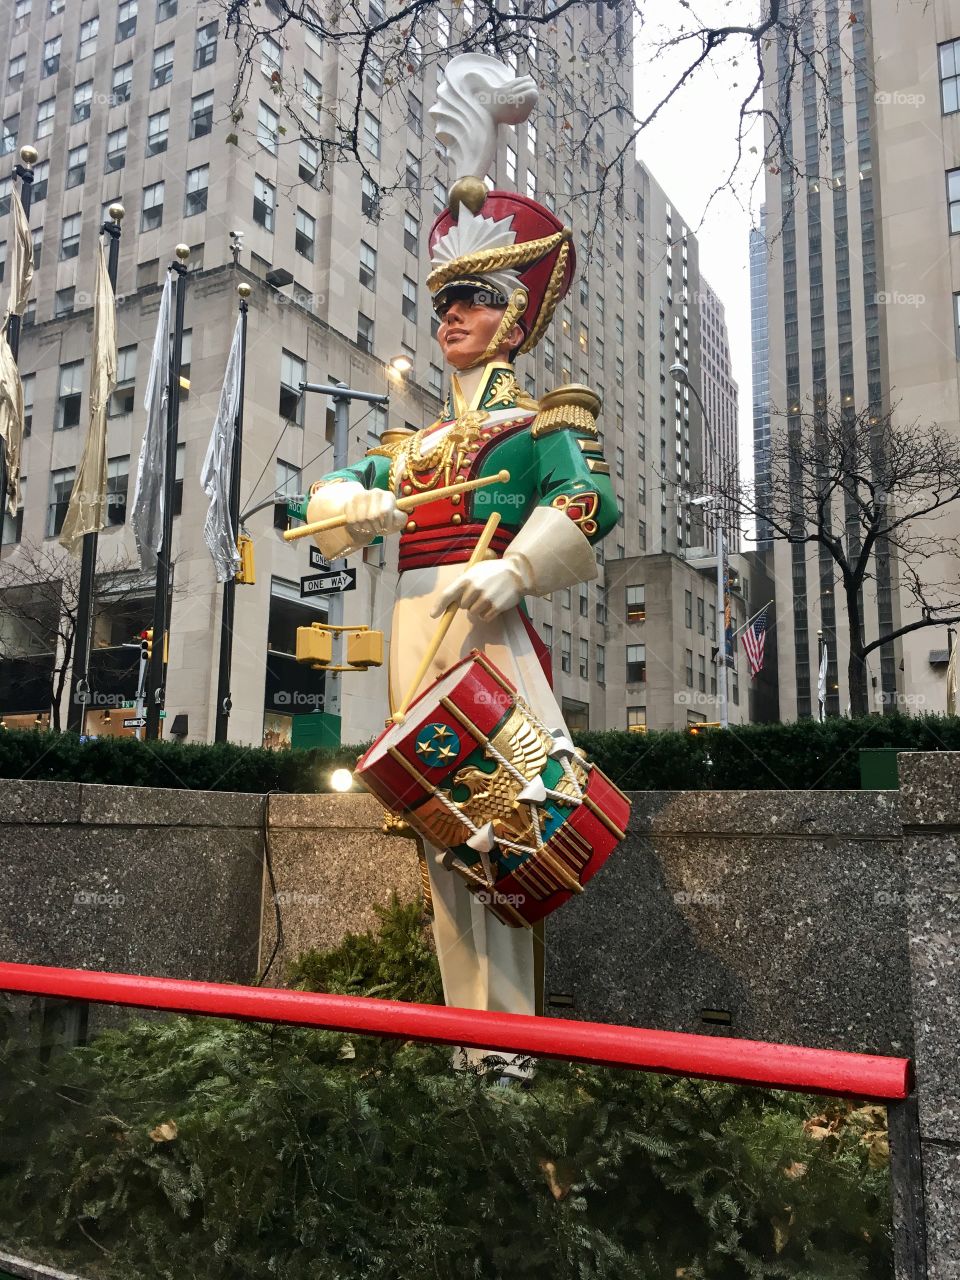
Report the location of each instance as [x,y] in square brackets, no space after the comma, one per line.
[182,251]
[29,156]
[116,212]
[244,291]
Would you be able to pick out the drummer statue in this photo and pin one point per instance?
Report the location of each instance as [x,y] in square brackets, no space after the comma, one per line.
[500,263]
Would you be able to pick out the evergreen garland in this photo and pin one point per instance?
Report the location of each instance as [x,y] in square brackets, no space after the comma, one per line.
[217,1150]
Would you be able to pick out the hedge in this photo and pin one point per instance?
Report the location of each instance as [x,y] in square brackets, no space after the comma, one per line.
[802,756]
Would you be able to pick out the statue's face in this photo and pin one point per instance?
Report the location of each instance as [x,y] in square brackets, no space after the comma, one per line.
[466,329]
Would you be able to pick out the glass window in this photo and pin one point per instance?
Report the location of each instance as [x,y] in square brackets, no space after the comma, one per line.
[61,486]
[151,208]
[309,162]
[76,166]
[584,660]
[953,199]
[158,128]
[411,233]
[41,176]
[364,332]
[601,664]
[368,265]
[636,719]
[45,114]
[409,303]
[270,57]
[700,620]
[122,400]
[8,139]
[312,96]
[126,19]
[566,641]
[118,478]
[69,392]
[701,673]
[70,237]
[412,171]
[264,202]
[116,152]
[268,123]
[949,76]
[688,667]
[293,371]
[312,29]
[166,9]
[162,65]
[198,180]
[51,55]
[306,234]
[28,381]
[122,83]
[636,663]
[371,134]
[688,609]
[201,115]
[636,603]
[82,99]
[415,114]
[205,48]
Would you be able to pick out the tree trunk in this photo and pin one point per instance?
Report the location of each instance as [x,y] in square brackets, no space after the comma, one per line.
[857,662]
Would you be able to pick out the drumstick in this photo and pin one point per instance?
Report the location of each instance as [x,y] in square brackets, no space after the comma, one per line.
[443,626]
[403,504]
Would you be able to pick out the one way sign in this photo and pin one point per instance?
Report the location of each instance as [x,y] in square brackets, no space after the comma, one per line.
[328,584]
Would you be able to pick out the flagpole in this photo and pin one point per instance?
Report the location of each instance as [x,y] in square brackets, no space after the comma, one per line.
[157,670]
[79,675]
[743,626]
[24,171]
[224,700]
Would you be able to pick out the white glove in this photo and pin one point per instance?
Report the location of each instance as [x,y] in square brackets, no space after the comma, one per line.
[371,513]
[489,588]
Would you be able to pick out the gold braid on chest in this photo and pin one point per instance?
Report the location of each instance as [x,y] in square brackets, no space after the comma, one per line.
[426,467]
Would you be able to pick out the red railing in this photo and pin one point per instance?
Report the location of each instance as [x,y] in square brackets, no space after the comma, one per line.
[745,1062]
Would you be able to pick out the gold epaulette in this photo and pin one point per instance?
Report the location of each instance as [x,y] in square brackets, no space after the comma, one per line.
[573,407]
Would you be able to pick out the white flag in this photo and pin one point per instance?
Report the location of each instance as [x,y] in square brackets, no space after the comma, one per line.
[11,388]
[88,500]
[822,680]
[147,512]
[21,259]
[218,533]
[952,680]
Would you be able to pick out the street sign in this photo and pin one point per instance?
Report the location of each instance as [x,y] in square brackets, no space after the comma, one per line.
[328,584]
[318,561]
[135,722]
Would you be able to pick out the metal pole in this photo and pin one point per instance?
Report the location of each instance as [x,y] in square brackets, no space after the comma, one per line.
[157,674]
[721,624]
[23,171]
[341,441]
[79,674]
[224,700]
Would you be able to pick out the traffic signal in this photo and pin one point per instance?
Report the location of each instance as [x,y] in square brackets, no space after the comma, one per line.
[146,644]
[314,646]
[246,574]
[365,649]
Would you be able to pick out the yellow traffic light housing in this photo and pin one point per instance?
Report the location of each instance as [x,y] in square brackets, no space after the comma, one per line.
[146,643]
[365,649]
[246,574]
[314,646]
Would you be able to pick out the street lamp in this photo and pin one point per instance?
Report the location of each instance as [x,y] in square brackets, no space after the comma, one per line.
[401,364]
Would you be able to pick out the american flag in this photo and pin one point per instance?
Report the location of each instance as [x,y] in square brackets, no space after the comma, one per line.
[754,640]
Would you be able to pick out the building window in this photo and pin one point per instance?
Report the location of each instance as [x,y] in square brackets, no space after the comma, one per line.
[309,162]
[270,57]
[439,196]
[196,195]
[688,667]
[548,635]
[63,301]
[565,651]
[268,123]
[949,76]
[70,237]
[312,96]
[636,603]
[158,129]
[61,486]
[411,233]
[122,400]
[953,200]
[701,673]
[364,332]
[293,371]
[116,153]
[82,100]
[415,115]
[76,166]
[306,234]
[151,209]
[122,83]
[45,114]
[28,381]
[636,663]
[201,115]
[166,9]
[636,719]
[601,664]
[584,600]
[409,303]
[205,48]
[371,134]
[368,265]
[287,477]
[584,660]
[126,20]
[412,171]
[51,55]
[688,609]
[118,478]
[369,203]
[700,625]
[68,395]
[264,202]
[162,65]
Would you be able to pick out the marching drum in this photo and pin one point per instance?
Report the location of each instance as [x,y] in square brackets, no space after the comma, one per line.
[525,819]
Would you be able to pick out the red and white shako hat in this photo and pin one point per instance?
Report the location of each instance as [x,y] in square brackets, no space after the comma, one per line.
[494,240]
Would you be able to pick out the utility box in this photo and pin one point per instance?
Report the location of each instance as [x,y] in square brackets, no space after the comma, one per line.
[878,768]
[365,648]
[318,729]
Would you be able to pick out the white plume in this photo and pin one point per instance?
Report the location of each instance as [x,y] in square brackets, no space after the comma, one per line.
[471,232]
[477,94]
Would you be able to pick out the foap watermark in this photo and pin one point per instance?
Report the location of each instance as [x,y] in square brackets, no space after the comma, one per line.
[895,298]
[493,898]
[91,898]
[894,898]
[698,898]
[694,698]
[898,98]
[296,898]
[902,701]
[298,699]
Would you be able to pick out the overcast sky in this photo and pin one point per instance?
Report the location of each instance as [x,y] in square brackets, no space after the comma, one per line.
[690,150]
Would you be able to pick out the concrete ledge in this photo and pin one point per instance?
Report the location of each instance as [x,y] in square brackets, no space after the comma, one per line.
[784,814]
[23,800]
[930,789]
[356,810]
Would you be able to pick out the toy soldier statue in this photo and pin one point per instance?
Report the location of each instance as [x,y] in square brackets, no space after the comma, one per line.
[500,263]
